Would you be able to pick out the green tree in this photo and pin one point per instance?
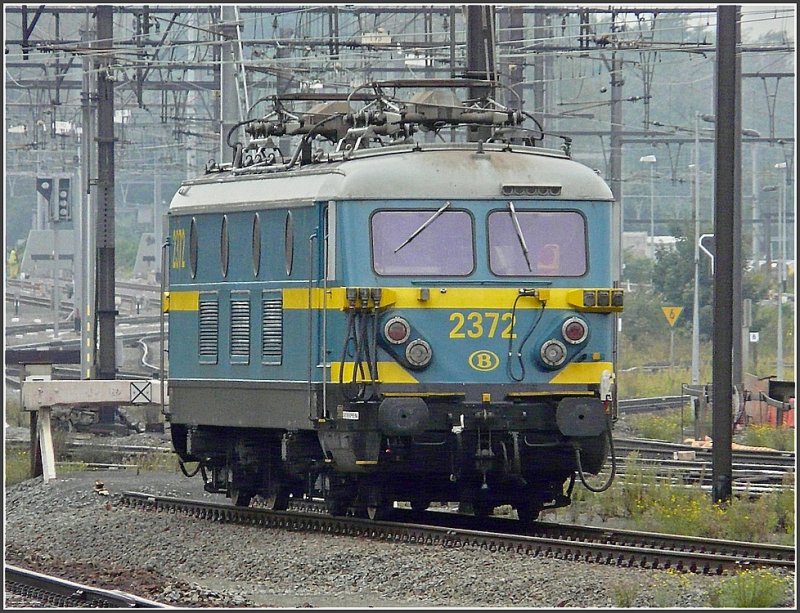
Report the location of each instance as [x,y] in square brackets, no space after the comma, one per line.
[673,281]
[637,269]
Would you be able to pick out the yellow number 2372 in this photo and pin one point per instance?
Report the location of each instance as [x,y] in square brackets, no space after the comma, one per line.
[481,325]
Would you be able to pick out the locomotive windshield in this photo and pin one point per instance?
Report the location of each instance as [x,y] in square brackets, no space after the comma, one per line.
[442,243]
[556,241]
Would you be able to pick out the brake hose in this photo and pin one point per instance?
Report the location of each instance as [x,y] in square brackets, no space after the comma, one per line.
[613,463]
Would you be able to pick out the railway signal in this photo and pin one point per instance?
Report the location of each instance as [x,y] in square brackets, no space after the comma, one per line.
[64,203]
[60,208]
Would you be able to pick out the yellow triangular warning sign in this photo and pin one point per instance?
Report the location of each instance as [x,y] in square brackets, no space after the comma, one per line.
[672,313]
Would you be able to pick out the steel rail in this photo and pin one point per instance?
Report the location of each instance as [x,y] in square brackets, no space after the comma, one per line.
[597,551]
[65,593]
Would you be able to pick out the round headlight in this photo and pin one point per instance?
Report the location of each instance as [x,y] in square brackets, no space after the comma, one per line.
[553,352]
[419,353]
[574,330]
[396,330]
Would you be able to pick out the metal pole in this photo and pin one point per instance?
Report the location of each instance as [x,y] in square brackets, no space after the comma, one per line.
[652,216]
[781,277]
[229,101]
[86,242]
[156,222]
[671,348]
[615,171]
[758,239]
[480,58]
[726,99]
[696,299]
[736,310]
[56,288]
[452,42]
[104,228]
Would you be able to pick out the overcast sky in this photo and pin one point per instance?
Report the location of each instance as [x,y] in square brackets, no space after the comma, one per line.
[759,19]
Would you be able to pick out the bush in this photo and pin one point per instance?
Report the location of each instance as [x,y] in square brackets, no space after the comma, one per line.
[759,588]
[656,504]
[764,435]
[624,594]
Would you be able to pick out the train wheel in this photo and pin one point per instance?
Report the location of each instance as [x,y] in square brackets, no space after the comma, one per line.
[378,512]
[420,504]
[277,500]
[482,508]
[377,506]
[528,512]
[337,507]
[241,498]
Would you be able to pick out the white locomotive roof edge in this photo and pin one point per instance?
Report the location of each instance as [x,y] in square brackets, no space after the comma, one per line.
[453,173]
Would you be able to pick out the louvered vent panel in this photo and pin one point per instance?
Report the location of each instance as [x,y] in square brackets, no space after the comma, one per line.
[272,331]
[240,328]
[209,330]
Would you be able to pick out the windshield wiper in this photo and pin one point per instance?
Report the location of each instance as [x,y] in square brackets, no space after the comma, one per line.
[423,226]
[519,234]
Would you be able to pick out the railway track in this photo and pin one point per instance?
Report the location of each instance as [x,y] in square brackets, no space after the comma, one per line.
[753,472]
[61,593]
[662,450]
[612,547]
[131,295]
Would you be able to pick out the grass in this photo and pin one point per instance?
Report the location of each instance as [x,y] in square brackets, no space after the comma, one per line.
[646,503]
[15,416]
[18,464]
[670,425]
[764,435]
[750,589]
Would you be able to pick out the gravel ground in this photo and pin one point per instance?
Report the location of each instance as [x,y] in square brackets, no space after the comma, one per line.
[67,528]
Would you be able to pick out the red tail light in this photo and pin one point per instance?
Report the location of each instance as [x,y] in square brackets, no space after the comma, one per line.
[574,330]
[396,330]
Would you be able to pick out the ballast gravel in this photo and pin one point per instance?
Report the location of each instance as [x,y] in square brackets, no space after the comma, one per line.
[65,527]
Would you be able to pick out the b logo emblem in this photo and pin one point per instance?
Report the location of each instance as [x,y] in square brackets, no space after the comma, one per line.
[484,360]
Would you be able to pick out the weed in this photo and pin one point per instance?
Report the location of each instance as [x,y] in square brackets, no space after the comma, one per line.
[666,505]
[15,416]
[17,465]
[668,587]
[624,594]
[157,461]
[668,425]
[758,588]
[765,435]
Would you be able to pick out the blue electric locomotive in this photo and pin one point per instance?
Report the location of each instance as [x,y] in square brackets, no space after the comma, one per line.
[384,317]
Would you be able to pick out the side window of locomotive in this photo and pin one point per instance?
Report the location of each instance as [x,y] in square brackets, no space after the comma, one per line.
[555,242]
[422,243]
[256,244]
[224,246]
[288,242]
[193,247]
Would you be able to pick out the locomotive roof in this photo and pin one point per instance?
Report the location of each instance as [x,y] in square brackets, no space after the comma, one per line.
[413,171]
